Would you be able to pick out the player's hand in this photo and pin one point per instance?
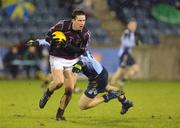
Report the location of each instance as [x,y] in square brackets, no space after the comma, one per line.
[77,68]
[32,43]
[51,39]
[55,41]
[62,44]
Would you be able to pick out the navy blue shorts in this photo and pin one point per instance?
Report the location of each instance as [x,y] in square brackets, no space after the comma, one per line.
[97,85]
[126,60]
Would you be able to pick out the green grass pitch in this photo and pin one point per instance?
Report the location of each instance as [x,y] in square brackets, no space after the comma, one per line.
[156,105]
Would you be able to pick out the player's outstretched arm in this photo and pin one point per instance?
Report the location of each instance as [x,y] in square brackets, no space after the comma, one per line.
[39,43]
[71,49]
[32,43]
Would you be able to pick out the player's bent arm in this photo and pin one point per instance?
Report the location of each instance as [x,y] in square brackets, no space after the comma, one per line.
[73,49]
[79,50]
[42,43]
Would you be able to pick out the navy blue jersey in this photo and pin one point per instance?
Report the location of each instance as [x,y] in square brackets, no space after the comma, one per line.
[125,51]
[91,67]
[127,42]
[79,39]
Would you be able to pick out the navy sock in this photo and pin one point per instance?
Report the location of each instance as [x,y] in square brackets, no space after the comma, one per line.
[122,100]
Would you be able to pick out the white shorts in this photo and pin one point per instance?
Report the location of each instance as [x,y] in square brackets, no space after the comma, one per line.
[61,63]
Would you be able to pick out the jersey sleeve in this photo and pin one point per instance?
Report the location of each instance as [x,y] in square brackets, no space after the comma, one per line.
[43,43]
[86,41]
[56,27]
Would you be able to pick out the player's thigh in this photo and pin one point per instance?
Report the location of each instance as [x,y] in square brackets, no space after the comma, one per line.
[75,76]
[57,76]
[69,75]
[49,77]
[120,72]
[56,64]
[84,100]
[134,68]
[109,88]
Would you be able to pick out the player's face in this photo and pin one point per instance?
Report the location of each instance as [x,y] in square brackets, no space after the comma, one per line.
[132,26]
[79,22]
[32,49]
[14,50]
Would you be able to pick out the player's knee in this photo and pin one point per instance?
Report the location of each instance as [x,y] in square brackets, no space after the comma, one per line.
[82,106]
[68,91]
[58,83]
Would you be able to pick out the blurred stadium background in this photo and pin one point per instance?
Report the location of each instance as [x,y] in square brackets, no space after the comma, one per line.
[158,55]
[158,30]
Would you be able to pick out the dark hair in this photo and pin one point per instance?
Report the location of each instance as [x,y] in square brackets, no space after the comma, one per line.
[130,20]
[77,12]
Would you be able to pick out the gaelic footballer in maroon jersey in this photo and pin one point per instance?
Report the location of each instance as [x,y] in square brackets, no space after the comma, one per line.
[63,58]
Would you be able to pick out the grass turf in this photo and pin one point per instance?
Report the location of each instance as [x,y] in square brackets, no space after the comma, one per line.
[156,105]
